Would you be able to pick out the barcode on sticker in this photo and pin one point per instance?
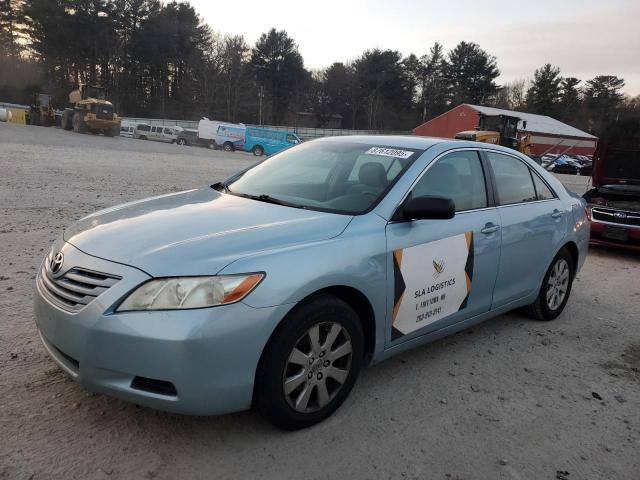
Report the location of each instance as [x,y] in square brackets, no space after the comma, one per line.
[389,152]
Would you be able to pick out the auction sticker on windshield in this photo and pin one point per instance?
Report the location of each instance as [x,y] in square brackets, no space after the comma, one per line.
[389,152]
[432,280]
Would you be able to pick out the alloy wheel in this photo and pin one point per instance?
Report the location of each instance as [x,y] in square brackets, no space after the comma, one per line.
[318,367]
[557,284]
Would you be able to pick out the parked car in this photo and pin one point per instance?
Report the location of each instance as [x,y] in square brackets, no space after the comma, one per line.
[227,136]
[127,130]
[614,200]
[186,136]
[565,164]
[158,133]
[276,286]
[261,140]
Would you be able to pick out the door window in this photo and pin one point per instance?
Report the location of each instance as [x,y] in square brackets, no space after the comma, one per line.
[543,192]
[513,179]
[458,176]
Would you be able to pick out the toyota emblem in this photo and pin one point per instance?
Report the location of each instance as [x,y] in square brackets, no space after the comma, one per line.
[56,262]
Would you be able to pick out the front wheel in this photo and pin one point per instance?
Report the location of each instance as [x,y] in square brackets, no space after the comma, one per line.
[310,364]
[556,288]
[182,142]
[228,147]
[258,151]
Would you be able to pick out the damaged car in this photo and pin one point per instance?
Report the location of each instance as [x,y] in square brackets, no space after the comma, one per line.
[613,204]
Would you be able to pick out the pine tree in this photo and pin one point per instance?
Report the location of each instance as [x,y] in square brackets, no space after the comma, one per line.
[471,73]
[544,94]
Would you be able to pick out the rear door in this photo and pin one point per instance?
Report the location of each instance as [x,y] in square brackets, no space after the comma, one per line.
[533,226]
[444,270]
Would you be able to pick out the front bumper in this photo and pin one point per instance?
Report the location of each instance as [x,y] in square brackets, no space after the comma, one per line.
[209,355]
[632,242]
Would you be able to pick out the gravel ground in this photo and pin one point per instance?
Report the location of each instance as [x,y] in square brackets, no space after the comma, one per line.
[512,398]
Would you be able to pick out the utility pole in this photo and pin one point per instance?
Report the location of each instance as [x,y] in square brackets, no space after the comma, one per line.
[260,96]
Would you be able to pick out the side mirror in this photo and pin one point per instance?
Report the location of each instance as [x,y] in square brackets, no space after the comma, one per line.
[429,208]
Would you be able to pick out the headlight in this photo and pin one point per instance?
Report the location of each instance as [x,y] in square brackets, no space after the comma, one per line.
[190,292]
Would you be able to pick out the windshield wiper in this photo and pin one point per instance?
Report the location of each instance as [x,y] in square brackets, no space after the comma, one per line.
[269,199]
[221,186]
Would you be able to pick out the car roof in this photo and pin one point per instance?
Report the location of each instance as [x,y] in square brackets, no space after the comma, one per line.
[414,141]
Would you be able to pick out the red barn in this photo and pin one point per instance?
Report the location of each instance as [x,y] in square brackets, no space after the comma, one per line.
[548,134]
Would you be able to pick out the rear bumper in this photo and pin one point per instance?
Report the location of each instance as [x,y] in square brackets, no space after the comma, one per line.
[209,356]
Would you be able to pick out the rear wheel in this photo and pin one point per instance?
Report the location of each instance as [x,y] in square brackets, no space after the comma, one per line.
[310,364]
[556,288]
[258,151]
[67,119]
[228,147]
[112,132]
[79,125]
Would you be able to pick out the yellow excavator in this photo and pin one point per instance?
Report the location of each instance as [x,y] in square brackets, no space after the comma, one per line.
[41,112]
[500,130]
[91,112]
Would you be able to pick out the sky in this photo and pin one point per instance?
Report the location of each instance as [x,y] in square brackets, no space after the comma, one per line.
[584,38]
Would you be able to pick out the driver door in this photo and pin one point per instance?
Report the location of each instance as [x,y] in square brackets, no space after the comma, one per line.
[444,271]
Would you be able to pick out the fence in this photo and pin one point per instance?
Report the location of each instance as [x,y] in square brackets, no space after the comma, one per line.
[304,133]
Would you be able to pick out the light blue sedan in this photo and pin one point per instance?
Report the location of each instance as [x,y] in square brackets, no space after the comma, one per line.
[275,287]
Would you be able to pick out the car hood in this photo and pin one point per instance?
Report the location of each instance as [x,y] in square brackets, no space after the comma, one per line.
[197,232]
[617,165]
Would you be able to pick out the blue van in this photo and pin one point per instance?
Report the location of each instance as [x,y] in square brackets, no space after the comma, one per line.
[261,140]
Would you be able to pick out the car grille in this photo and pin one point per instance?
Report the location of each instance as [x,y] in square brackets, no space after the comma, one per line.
[619,217]
[76,288]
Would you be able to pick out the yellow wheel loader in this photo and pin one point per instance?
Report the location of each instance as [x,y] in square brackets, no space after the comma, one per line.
[41,112]
[91,112]
[500,130]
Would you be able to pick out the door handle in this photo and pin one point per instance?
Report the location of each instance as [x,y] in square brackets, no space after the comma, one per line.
[556,214]
[490,228]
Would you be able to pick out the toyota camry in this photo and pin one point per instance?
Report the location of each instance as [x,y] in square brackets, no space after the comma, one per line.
[275,287]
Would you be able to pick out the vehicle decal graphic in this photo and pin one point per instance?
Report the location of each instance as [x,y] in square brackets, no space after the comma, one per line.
[431,281]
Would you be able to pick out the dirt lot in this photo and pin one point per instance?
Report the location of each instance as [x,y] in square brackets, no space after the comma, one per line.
[512,398]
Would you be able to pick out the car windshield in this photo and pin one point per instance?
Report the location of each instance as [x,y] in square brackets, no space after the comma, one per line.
[332,176]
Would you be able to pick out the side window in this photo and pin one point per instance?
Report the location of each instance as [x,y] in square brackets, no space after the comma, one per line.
[543,192]
[513,179]
[457,176]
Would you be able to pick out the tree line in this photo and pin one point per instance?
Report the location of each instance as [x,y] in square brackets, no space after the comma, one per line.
[160,59]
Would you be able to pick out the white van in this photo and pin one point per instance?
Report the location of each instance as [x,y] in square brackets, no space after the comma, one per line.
[228,136]
[159,133]
[127,130]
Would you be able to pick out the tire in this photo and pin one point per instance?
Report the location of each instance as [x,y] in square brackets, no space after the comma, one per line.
[228,147]
[142,137]
[327,365]
[182,142]
[548,306]
[112,132]
[79,125]
[258,151]
[34,119]
[67,120]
